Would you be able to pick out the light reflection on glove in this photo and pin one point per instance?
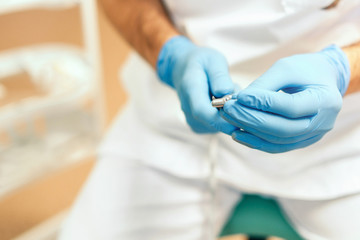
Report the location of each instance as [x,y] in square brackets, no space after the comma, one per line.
[278,121]
[196,73]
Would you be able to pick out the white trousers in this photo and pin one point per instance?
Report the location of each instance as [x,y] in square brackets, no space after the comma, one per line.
[126,200]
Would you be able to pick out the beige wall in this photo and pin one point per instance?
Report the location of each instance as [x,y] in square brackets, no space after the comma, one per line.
[51,194]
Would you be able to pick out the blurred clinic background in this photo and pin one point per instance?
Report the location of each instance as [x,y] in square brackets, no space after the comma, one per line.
[59,90]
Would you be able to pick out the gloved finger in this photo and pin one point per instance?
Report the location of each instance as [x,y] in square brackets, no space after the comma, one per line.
[202,111]
[252,141]
[270,137]
[300,104]
[281,75]
[194,124]
[196,95]
[273,79]
[265,122]
[217,71]
[199,127]
[281,140]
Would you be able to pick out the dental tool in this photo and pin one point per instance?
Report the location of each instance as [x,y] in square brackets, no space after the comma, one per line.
[219,102]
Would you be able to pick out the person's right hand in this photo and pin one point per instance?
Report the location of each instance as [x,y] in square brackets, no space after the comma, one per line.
[197,74]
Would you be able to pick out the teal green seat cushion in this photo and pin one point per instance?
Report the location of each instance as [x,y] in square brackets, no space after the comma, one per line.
[259,217]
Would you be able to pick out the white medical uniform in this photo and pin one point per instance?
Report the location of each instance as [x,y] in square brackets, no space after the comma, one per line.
[151,180]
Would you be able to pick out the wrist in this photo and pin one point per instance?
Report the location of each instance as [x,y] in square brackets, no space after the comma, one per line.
[169,54]
[341,63]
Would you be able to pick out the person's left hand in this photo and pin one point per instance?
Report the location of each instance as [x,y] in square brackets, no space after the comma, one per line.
[293,104]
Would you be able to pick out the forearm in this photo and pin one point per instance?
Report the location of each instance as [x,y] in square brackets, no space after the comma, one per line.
[143,23]
[353,54]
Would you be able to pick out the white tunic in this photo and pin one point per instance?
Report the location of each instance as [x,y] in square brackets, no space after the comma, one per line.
[252,35]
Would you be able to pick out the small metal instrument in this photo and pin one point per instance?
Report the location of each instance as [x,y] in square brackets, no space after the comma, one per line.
[219,102]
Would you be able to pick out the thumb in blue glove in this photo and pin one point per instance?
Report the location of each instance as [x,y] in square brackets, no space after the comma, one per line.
[196,73]
[293,104]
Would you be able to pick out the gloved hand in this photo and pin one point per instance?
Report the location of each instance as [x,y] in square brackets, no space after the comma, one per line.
[196,73]
[293,104]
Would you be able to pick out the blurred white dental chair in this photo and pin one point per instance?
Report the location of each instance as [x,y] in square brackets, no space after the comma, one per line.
[62,124]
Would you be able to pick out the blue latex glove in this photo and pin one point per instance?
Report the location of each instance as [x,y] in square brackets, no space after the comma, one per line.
[196,73]
[278,121]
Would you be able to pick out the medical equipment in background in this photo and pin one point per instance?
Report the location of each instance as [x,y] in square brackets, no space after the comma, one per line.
[62,124]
